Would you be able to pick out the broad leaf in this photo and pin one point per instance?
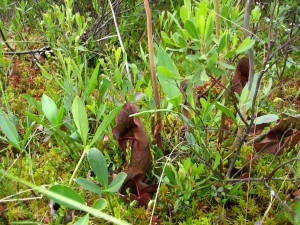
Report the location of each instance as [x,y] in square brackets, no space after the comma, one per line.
[191,29]
[49,108]
[33,102]
[170,175]
[212,60]
[116,184]
[118,55]
[93,81]
[83,220]
[166,72]
[89,185]
[246,45]
[202,10]
[227,111]
[98,164]
[9,130]
[100,204]
[44,72]
[80,118]
[269,118]
[60,116]
[209,28]
[217,160]
[223,43]
[184,13]
[67,192]
[107,120]
[170,86]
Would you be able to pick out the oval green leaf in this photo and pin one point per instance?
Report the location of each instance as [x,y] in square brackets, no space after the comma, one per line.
[100,204]
[98,164]
[106,121]
[246,45]
[49,109]
[227,111]
[80,118]
[116,184]
[269,118]
[83,220]
[68,193]
[89,185]
[9,130]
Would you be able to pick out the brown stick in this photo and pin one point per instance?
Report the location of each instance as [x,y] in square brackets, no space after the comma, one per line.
[153,75]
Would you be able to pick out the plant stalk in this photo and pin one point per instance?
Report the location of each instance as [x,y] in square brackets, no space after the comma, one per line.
[224,78]
[77,166]
[110,204]
[153,75]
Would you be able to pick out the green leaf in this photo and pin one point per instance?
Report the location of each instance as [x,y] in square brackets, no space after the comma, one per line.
[192,57]
[212,60]
[230,54]
[49,108]
[118,76]
[191,29]
[60,116]
[9,130]
[223,43]
[98,164]
[33,102]
[204,77]
[170,175]
[167,73]
[177,100]
[93,81]
[80,118]
[167,39]
[170,86]
[187,164]
[174,19]
[67,192]
[227,111]
[184,13]
[89,185]
[116,184]
[235,40]
[118,55]
[226,66]
[100,204]
[245,46]
[106,121]
[217,160]
[83,220]
[216,71]
[165,60]
[201,25]
[44,72]
[269,118]
[202,10]
[235,189]
[209,28]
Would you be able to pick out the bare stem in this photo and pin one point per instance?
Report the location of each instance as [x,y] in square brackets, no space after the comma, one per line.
[153,74]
